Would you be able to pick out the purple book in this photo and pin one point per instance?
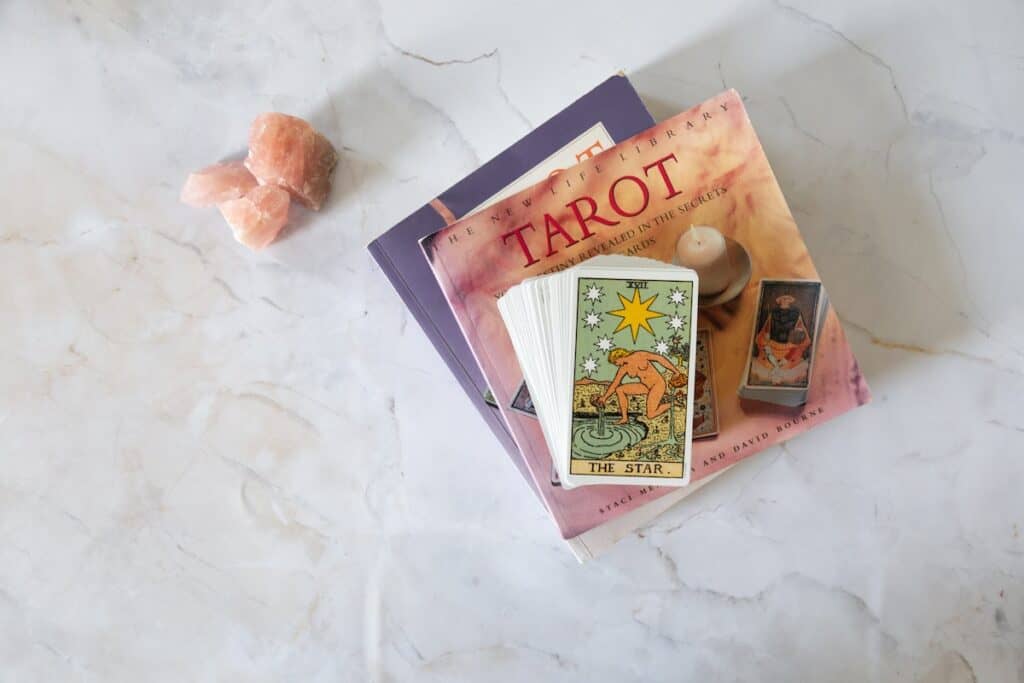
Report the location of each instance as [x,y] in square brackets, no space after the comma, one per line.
[595,122]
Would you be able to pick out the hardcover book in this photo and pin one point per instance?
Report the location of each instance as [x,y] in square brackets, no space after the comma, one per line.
[704,167]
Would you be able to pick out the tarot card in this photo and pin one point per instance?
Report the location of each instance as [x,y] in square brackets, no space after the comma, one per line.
[705,393]
[632,381]
[555,479]
[786,324]
[489,399]
[522,402]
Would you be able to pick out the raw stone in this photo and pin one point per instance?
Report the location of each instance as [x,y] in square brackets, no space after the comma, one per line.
[288,152]
[258,217]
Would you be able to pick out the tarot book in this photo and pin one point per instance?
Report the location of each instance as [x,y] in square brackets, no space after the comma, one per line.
[703,167]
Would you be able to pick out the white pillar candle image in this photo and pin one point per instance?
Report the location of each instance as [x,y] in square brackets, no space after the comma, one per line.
[703,248]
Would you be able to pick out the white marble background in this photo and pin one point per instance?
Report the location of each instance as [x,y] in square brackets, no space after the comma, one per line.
[216,465]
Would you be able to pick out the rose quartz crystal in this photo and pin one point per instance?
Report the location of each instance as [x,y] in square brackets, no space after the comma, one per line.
[217,183]
[258,217]
[288,152]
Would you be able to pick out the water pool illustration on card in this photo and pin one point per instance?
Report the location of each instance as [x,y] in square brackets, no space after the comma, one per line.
[630,383]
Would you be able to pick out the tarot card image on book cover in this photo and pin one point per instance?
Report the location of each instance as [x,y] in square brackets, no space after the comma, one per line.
[522,402]
[489,398]
[631,391]
[705,393]
[789,316]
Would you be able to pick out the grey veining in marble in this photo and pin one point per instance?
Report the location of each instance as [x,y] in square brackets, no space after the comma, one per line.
[219,465]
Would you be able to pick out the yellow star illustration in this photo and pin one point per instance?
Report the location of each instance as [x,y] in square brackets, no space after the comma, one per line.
[635,314]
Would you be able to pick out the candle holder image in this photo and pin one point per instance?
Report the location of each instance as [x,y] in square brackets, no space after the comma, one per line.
[722,264]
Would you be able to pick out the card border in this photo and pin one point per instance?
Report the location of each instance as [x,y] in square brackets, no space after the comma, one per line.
[669,274]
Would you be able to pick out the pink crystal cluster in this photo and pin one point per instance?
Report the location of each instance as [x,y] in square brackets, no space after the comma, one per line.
[287,159]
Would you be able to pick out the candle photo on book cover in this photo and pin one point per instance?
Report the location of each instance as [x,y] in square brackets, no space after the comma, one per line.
[703,248]
[722,263]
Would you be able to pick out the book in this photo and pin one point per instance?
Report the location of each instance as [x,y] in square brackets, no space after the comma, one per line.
[703,167]
[607,348]
[610,112]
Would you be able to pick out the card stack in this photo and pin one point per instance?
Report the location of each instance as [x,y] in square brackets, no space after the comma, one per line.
[606,349]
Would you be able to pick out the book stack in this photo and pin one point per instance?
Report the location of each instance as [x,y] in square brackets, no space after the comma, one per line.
[599,372]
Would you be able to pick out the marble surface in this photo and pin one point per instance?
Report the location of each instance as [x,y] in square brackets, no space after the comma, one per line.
[218,465]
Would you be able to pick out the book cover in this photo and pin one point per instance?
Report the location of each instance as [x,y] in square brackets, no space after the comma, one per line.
[704,166]
[610,112]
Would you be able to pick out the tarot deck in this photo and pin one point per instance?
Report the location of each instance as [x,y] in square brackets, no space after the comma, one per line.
[607,349]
